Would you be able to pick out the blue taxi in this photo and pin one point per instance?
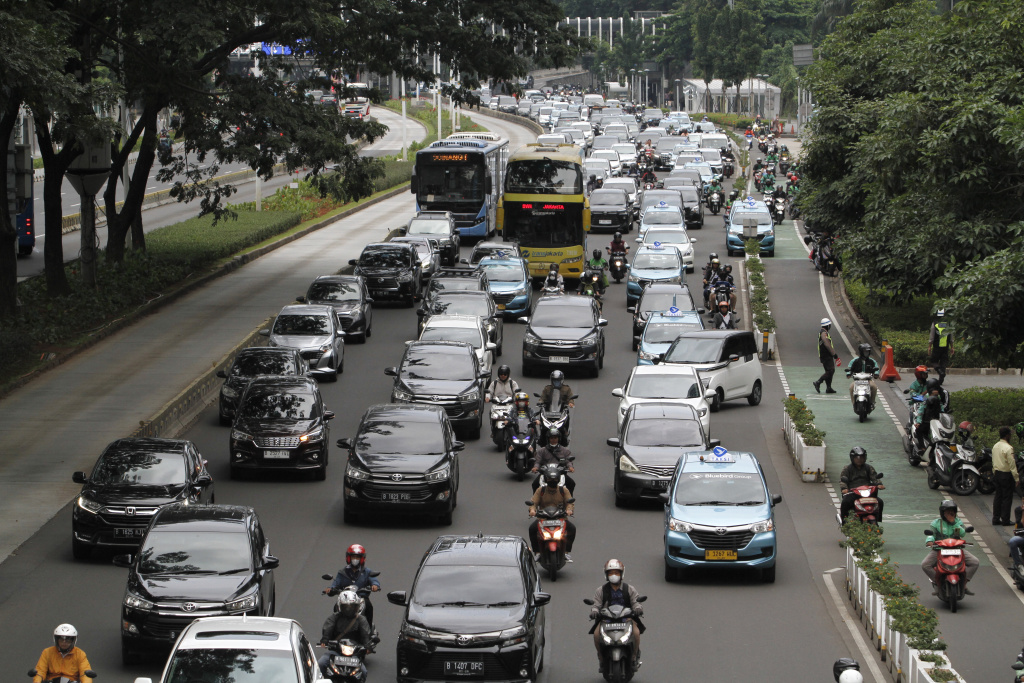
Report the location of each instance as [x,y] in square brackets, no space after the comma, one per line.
[508,282]
[661,330]
[719,512]
[758,211]
[654,264]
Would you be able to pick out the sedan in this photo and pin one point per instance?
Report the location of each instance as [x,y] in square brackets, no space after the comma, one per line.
[653,265]
[508,281]
[612,157]
[456,302]
[256,361]
[660,298]
[671,237]
[649,383]
[350,299]
[315,332]
[564,332]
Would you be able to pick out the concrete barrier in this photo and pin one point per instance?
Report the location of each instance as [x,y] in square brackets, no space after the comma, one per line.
[511,118]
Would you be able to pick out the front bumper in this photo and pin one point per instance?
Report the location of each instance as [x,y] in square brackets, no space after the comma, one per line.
[637,486]
[92,529]
[307,456]
[682,551]
[376,496]
[735,242]
[611,221]
[422,661]
[512,304]
[391,289]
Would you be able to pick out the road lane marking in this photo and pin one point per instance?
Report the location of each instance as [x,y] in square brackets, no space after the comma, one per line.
[866,654]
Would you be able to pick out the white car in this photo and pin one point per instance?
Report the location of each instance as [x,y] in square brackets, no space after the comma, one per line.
[462,328]
[671,236]
[659,216]
[665,383]
[627,184]
[726,360]
[602,168]
[611,156]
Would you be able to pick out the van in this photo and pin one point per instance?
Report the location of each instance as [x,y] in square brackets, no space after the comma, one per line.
[727,361]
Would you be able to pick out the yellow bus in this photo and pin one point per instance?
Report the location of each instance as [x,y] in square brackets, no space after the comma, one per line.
[545,208]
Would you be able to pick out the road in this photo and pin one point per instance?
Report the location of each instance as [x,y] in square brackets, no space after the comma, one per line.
[714,627]
[158,216]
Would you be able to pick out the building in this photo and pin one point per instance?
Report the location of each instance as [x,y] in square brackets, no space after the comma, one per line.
[753,96]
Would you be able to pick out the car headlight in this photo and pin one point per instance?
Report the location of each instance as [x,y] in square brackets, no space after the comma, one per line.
[89,505]
[512,636]
[675,280]
[353,472]
[135,602]
[679,526]
[439,474]
[313,436]
[633,277]
[404,277]
[627,465]
[646,355]
[229,392]
[400,395]
[770,233]
[248,602]
[324,348]
[763,527]
[589,340]
[410,631]
[688,252]
[470,396]
[239,435]
[530,339]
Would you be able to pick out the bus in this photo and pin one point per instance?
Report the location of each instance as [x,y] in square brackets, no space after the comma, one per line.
[463,174]
[545,208]
[357,106]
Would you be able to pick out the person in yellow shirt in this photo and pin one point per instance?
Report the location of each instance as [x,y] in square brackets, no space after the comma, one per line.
[1005,477]
[63,659]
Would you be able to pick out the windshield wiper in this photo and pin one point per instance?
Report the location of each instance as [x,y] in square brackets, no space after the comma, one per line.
[457,603]
[711,502]
[502,604]
[750,502]
[233,571]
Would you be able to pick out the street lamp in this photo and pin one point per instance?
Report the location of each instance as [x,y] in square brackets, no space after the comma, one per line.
[632,85]
[647,92]
[677,94]
[764,78]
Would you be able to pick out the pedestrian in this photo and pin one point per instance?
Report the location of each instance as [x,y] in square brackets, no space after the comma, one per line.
[828,357]
[940,344]
[1005,477]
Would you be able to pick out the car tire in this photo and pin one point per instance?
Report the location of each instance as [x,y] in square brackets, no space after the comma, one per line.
[672,574]
[235,474]
[768,575]
[771,254]
[81,551]
[755,394]
[224,420]
[527,370]
[129,656]
[474,432]
[368,333]
[350,517]
[595,371]
[446,518]
[321,473]
[716,404]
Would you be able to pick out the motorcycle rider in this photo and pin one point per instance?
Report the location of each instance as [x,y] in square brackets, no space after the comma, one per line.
[355,573]
[864,363]
[947,525]
[934,405]
[62,659]
[616,592]
[828,357]
[503,386]
[918,385]
[940,344]
[793,186]
[552,454]
[597,262]
[857,473]
[552,495]
[618,244]
[554,278]
[723,318]
[715,186]
[345,622]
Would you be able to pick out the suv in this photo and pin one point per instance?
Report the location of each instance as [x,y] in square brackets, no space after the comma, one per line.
[442,373]
[348,296]
[392,271]
[249,364]
[564,331]
[241,649]
[462,302]
[610,210]
[475,611]
[403,458]
[316,333]
[726,360]
[439,225]
[194,561]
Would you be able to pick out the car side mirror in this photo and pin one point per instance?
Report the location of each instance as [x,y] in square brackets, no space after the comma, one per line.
[776,499]
[733,358]
[602,322]
[639,240]
[270,562]
[617,392]
[391,372]
[400,231]
[328,414]
[710,395]
[124,561]
[693,240]
[397,598]
[264,332]
[491,346]
[204,480]
[301,299]
[339,333]
[541,599]
[714,443]
[525,320]
[613,441]
[458,446]
[484,374]
[222,374]
[631,309]
[464,261]
[663,497]
[368,300]
[353,262]
[345,443]
[79,478]
[701,311]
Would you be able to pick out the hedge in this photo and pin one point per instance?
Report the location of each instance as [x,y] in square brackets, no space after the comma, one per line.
[200,241]
[803,421]
[740,121]
[988,410]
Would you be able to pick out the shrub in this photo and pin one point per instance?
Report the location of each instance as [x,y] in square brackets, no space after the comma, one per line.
[803,421]
[200,241]
[988,410]
[759,299]
[396,172]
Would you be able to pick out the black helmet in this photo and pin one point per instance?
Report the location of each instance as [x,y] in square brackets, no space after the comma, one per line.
[617,236]
[734,194]
[858,452]
[553,268]
[504,371]
[727,268]
[864,350]
[556,378]
[712,256]
[931,385]
[947,506]
[554,433]
[551,475]
[597,254]
[1019,428]
[593,176]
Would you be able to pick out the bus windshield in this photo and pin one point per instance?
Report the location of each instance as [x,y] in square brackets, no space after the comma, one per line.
[533,225]
[544,176]
[452,183]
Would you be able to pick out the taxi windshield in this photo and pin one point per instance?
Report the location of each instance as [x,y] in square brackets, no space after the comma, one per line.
[656,261]
[663,333]
[663,218]
[719,488]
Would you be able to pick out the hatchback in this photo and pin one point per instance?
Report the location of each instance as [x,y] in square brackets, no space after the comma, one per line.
[661,384]
[670,236]
[726,359]
[508,281]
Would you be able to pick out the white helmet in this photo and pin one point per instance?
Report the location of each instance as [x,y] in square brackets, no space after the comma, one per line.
[851,676]
[614,565]
[825,322]
[349,603]
[65,631]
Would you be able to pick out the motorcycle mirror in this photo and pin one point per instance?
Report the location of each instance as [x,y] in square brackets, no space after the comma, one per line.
[574,397]
[969,528]
[536,394]
[880,475]
[32,672]
[641,598]
[929,532]
[1018,666]
[529,502]
[327,577]
[525,320]
[586,601]
[375,574]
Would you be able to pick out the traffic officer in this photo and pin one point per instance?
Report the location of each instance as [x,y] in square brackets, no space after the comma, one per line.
[940,344]
[828,357]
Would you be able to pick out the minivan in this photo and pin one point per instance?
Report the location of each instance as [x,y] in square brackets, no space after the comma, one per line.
[726,359]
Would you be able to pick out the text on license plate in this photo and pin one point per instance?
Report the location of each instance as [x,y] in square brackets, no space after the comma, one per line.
[605,222]
[463,668]
[559,359]
[661,484]
[949,551]
[720,555]
[395,496]
[276,455]
[137,532]
[347,661]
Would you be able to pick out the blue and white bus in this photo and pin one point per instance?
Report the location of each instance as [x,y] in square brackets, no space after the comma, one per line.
[463,174]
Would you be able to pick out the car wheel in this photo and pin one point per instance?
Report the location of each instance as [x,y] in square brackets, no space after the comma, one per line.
[446,518]
[225,421]
[672,573]
[80,551]
[755,394]
[235,474]
[474,432]
[350,517]
[527,370]
[273,604]
[128,655]
[321,473]
[368,333]
[716,403]
[768,575]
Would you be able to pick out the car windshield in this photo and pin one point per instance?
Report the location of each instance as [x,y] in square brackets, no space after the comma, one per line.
[736,220]
[655,261]
[454,284]
[720,488]
[665,236]
[230,665]
[712,156]
[662,301]
[424,364]
[562,316]
[421,226]
[628,186]
[462,305]
[663,218]
[608,198]
[593,165]
[334,291]
[504,272]
[384,258]
[274,403]
[139,467]
[293,324]
[662,333]
[650,433]
[191,552]
[663,386]
[255,365]
[608,154]
[694,350]
[690,193]
[468,585]
[462,334]
[400,437]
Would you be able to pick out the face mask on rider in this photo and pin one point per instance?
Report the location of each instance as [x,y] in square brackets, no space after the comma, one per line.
[354,563]
[614,578]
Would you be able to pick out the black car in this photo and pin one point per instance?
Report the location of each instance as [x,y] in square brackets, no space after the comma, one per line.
[610,210]
[472,279]
[251,363]
[657,298]
[350,299]
[130,482]
[404,458]
[693,208]
[475,611]
[446,374]
[281,423]
[391,271]
[564,332]
[195,561]
[463,302]
[439,225]
[648,446]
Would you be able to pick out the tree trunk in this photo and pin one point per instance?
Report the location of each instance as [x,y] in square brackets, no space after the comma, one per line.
[138,236]
[120,222]
[55,165]
[8,231]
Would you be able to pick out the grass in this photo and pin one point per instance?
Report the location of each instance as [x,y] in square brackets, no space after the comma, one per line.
[988,410]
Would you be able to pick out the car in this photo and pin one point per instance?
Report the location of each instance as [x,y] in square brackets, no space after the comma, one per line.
[668,236]
[250,363]
[702,167]
[664,153]
[629,186]
[350,299]
[508,281]
[457,279]
[612,157]
[465,328]
[507,104]
[427,249]
[661,330]
[749,211]
[475,611]
[314,331]
[575,134]
[462,302]
[242,649]
[627,154]
[587,130]
[652,117]
[403,459]
[693,207]
[676,384]
[651,198]
[737,531]
[647,447]
[564,332]
[443,373]
[726,359]
[555,139]
[599,168]
[653,265]
[194,561]
[487,248]
[662,215]
[610,210]
[281,424]
[391,271]
[657,298]
[131,481]
[713,156]
[439,225]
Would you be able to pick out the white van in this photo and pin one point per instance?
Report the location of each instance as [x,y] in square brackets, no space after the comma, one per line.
[726,361]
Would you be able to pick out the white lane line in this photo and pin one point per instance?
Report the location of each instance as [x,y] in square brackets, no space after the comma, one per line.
[866,655]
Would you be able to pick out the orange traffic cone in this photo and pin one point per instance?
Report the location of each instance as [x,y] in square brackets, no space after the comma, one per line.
[888,368]
[792,129]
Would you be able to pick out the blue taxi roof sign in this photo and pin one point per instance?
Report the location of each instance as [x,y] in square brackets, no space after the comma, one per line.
[673,312]
[718,454]
[662,205]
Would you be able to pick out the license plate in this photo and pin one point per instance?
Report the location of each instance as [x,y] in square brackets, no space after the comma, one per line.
[347,661]
[615,626]
[463,668]
[720,555]
[559,359]
[661,484]
[276,455]
[395,497]
[949,551]
[129,532]
[551,523]
[605,222]
[501,307]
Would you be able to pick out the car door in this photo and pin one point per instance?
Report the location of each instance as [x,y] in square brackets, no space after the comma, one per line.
[261,549]
[534,613]
[736,371]
[751,364]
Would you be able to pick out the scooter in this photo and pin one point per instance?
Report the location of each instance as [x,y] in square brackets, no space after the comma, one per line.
[89,673]
[500,410]
[951,568]
[982,460]
[366,609]
[590,285]
[947,463]
[715,202]
[909,442]
[346,665]
[563,469]
[615,624]
[1018,569]
[617,265]
[551,288]
[728,167]
[556,416]
[779,209]
[552,531]
[862,404]
[519,444]
[866,506]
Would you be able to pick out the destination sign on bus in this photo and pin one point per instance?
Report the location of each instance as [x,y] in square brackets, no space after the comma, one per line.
[545,207]
[449,157]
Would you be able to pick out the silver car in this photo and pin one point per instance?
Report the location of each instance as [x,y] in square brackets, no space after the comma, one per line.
[315,332]
[428,251]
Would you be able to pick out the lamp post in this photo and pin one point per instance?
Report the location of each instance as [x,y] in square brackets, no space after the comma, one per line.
[764,78]
[647,82]
[632,85]
[677,95]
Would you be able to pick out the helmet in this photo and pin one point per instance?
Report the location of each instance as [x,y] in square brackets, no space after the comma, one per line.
[551,475]
[348,603]
[857,452]
[940,313]
[553,268]
[826,323]
[734,194]
[554,433]
[864,350]
[617,236]
[727,268]
[932,385]
[355,556]
[504,371]
[796,179]
[851,676]
[521,400]
[1019,428]
[965,429]
[843,665]
[712,256]
[556,378]
[65,631]
[715,262]
[614,565]
[947,506]
[722,304]
[597,254]
[593,176]
[921,373]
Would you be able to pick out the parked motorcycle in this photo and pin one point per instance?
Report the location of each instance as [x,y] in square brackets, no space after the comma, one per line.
[556,416]
[862,404]
[346,664]
[617,265]
[866,505]
[552,530]
[947,463]
[823,254]
[500,410]
[615,625]
[909,442]
[951,570]
[520,437]
[715,202]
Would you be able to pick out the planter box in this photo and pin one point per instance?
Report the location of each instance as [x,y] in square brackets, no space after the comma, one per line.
[809,460]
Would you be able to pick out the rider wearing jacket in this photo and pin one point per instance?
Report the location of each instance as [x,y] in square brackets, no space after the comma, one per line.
[62,659]
[857,473]
[557,384]
[948,525]
[552,454]
[920,378]
[552,495]
[598,263]
[614,591]
[618,244]
[355,573]
[864,363]
[503,386]
[935,403]
[345,622]
[723,318]
[554,278]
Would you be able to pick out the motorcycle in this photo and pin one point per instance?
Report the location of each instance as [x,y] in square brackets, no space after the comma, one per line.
[909,442]
[982,460]
[784,164]
[947,463]
[500,409]
[951,568]
[556,416]
[866,506]
[715,202]
[590,285]
[715,293]
[366,609]
[1018,668]
[89,673]
[617,264]
[616,629]
[346,664]
[551,288]
[822,255]
[779,209]
[728,167]
[862,404]
[552,531]
[519,444]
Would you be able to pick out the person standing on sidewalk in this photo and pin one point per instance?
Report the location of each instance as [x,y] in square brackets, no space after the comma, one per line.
[940,344]
[1004,471]
[828,357]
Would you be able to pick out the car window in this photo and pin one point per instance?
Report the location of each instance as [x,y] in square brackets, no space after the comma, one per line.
[656,261]
[662,301]
[188,552]
[719,488]
[302,324]
[461,334]
[421,363]
[144,468]
[665,236]
[277,403]
[654,433]
[462,305]
[562,316]
[188,665]
[661,333]
[253,365]
[734,345]
[694,350]
[663,218]
[305,653]
[608,198]
[385,437]
[428,226]
[504,272]
[384,258]
[334,291]
[454,284]
[468,585]
[663,386]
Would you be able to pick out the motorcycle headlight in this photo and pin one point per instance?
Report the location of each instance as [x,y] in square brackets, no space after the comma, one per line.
[313,436]
[763,527]
[679,525]
[89,505]
[348,650]
[439,474]
[135,602]
[627,465]
[353,472]
[239,435]
[248,602]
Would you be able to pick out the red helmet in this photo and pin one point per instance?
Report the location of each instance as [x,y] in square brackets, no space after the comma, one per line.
[795,179]
[355,551]
[966,426]
[921,372]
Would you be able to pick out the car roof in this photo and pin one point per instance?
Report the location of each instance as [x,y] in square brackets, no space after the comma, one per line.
[442,346]
[453,320]
[306,309]
[147,444]
[662,410]
[497,260]
[666,369]
[669,287]
[404,412]
[242,632]
[744,462]
[501,551]
[685,316]
[650,249]
[377,246]
[198,518]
